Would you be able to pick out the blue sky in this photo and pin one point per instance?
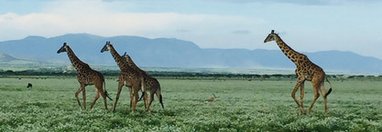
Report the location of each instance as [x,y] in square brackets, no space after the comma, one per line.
[307,26]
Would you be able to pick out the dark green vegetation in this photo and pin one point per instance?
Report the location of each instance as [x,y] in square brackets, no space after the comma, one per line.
[241,104]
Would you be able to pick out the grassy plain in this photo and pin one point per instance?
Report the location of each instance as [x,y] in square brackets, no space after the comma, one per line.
[241,105]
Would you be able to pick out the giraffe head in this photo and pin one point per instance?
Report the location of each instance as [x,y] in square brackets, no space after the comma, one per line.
[271,37]
[126,56]
[107,47]
[63,48]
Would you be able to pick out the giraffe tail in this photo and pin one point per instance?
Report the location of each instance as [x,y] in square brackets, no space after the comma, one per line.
[330,89]
[161,100]
[106,93]
[142,88]
[140,98]
[159,95]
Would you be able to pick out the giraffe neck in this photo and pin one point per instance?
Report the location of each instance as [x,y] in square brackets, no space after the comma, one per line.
[118,59]
[77,63]
[131,63]
[288,51]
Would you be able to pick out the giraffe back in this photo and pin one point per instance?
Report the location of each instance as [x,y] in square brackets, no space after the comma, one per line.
[151,83]
[90,76]
[305,68]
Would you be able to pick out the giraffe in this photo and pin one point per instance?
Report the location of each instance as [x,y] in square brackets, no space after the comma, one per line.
[305,71]
[152,85]
[128,77]
[86,76]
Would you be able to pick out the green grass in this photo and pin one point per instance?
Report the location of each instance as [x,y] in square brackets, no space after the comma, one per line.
[241,106]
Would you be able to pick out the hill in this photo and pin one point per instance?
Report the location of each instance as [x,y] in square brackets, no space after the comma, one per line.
[8,59]
[171,52]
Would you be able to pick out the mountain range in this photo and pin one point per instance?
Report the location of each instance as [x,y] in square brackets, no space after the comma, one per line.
[171,52]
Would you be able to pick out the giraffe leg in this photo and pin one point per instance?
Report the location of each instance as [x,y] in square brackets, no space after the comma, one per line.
[84,98]
[316,88]
[131,97]
[134,98]
[293,94]
[101,91]
[103,94]
[323,93]
[76,95]
[120,85]
[95,99]
[302,94]
[145,100]
[326,104]
[151,100]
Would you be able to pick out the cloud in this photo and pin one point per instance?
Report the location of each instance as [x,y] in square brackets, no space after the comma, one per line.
[98,18]
[301,2]
[183,30]
[108,0]
[241,32]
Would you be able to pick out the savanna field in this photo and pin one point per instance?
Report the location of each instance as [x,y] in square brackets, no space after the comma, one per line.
[240,105]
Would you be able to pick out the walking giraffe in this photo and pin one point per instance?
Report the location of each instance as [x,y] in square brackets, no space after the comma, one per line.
[86,76]
[151,87]
[128,77]
[305,71]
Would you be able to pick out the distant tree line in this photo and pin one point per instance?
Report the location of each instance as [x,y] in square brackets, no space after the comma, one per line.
[185,75]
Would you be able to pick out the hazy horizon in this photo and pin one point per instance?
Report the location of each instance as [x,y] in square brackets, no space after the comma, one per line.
[307,26]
